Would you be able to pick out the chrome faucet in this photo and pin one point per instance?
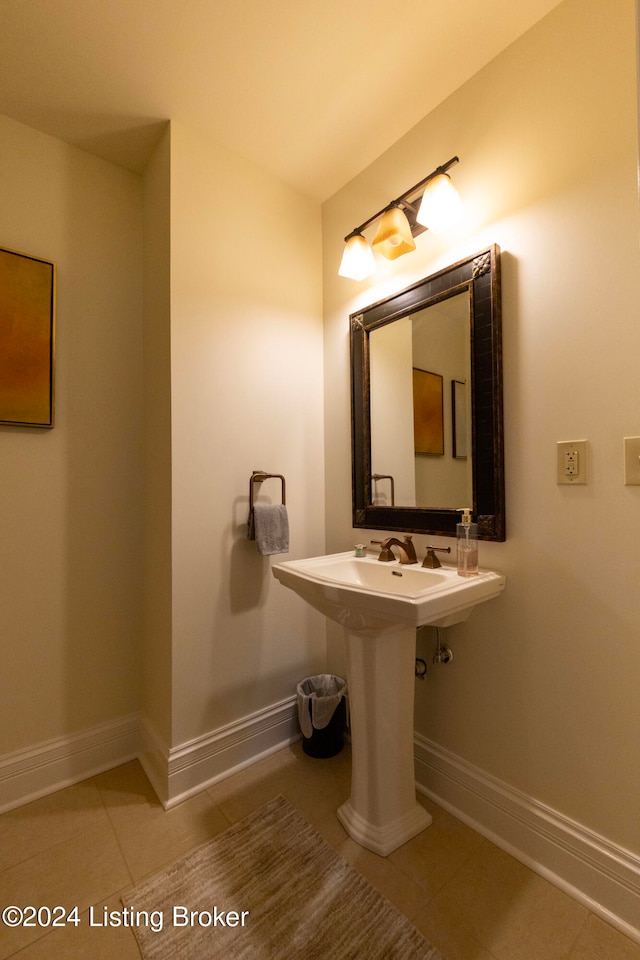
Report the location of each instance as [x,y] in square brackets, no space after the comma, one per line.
[407,549]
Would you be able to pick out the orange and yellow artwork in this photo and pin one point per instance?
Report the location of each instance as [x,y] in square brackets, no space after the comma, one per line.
[27,337]
[428,418]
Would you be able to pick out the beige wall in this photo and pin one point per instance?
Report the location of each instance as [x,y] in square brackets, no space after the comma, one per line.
[156,698]
[246,370]
[127,580]
[543,692]
[70,555]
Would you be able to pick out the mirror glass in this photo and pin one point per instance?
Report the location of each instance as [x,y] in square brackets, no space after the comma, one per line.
[427,403]
[420,370]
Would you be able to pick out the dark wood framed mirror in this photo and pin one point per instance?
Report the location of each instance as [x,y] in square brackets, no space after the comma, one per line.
[426,396]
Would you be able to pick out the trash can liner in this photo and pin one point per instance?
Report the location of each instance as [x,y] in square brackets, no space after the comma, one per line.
[318,699]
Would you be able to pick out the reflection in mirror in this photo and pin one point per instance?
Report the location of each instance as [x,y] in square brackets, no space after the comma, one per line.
[415,439]
[427,433]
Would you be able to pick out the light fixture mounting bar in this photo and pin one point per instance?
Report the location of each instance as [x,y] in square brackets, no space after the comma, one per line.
[405,196]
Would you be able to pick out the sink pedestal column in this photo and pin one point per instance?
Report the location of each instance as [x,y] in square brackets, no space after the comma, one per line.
[382,812]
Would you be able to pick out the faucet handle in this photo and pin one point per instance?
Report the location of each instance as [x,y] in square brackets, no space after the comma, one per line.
[431,561]
[386,553]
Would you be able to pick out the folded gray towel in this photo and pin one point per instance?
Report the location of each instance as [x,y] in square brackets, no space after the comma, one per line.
[269,527]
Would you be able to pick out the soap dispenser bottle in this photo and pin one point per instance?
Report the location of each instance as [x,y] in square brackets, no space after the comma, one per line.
[467,535]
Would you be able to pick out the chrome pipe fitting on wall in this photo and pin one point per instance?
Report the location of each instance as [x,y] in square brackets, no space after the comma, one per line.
[443,653]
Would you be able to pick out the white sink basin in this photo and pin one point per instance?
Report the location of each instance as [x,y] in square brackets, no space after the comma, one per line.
[380,605]
[363,593]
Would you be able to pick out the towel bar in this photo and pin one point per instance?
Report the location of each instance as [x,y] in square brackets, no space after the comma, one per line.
[258,476]
[386,476]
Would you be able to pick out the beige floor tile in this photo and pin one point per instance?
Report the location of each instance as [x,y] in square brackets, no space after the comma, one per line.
[330,828]
[92,841]
[315,787]
[266,770]
[84,940]
[317,797]
[511,911]
[599,941]
[451,938]
[151,837]
[385,876]
[430,805]
[434,856]
[125,786]
[238,800]
[81,871]
[44,823]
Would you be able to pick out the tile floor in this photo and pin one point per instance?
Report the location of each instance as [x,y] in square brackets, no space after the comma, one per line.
[87,843]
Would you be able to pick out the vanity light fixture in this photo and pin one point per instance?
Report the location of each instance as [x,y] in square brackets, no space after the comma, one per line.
[393,236]
[358,261]
[433,203]
[441,205]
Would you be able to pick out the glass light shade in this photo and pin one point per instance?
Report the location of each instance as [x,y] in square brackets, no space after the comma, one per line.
[357,261]
[441,205]
[393,236]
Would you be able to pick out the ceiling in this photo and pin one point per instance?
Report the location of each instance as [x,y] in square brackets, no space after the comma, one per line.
[312,90]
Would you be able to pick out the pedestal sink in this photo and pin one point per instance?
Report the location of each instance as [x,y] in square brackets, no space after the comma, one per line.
[379,606]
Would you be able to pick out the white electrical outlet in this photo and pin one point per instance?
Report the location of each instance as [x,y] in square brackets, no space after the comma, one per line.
[572,461]
[632,461]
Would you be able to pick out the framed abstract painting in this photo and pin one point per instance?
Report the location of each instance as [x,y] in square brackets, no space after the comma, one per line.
[428,418]
[27,340]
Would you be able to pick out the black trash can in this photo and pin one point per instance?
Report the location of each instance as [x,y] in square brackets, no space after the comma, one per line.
[322,714]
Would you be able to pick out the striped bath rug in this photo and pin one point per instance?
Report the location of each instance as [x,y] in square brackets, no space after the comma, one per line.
[268,888]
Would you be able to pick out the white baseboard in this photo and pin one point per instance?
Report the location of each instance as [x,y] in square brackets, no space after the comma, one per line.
[181,772]
[154,759]
[32,773]
[175,774]
[598,873]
